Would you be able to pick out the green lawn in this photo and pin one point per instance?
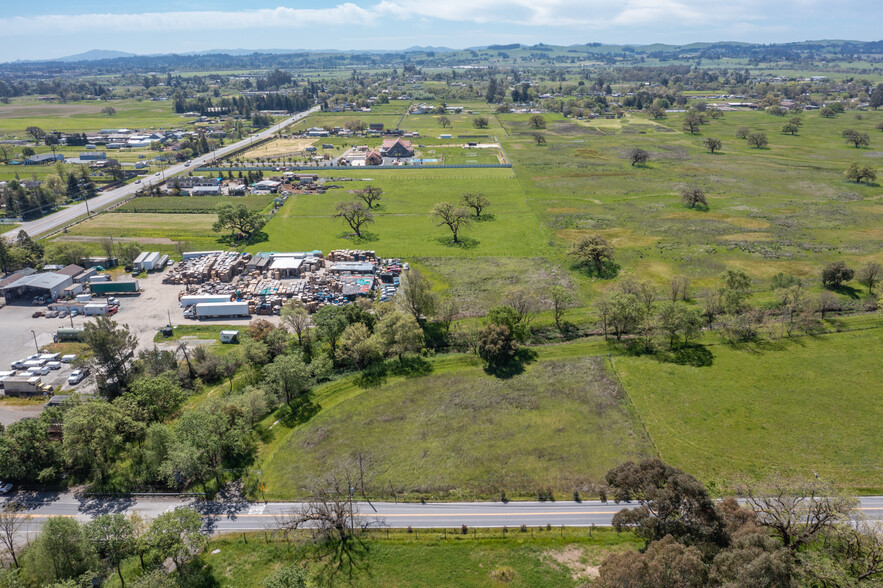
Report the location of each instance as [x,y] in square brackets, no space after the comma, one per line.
[807,405]
[460,433]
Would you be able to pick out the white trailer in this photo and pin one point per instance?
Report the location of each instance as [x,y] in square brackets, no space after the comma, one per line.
[194,299]
[95,309]
[151,262]
[217,310]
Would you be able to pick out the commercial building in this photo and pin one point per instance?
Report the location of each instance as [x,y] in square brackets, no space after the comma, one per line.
[49,284]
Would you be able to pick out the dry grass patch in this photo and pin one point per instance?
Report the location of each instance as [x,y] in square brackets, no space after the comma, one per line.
[618,237]
[739,221]
[746,237]
[279,147]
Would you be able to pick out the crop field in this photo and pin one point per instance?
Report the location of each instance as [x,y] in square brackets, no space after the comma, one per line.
[791,407]
[85,116]
[193,204]
[562,423]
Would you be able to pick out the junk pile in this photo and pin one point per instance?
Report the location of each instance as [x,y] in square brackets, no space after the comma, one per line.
[267,280]
[213,266]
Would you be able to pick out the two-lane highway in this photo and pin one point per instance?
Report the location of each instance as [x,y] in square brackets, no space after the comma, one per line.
[56,220]
[239,516]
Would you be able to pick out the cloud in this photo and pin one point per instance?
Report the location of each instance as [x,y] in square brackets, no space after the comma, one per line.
[346,14]
[666,17]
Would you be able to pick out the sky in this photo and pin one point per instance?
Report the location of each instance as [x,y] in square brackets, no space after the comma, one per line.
[56,28]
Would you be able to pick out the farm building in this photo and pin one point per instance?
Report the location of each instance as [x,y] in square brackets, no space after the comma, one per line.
[374,158]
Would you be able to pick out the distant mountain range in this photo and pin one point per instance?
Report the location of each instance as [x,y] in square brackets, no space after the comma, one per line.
[94,55]
[98,54]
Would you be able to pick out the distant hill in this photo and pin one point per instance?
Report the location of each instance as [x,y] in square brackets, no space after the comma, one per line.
[94,55]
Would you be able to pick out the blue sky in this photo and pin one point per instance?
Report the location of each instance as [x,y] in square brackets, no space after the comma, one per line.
[55,28]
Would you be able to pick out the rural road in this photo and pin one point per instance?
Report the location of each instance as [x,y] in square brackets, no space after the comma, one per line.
[56,220]
[230,517]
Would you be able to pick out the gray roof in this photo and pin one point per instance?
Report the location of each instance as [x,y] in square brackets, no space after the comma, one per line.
[46,280]
[353,266]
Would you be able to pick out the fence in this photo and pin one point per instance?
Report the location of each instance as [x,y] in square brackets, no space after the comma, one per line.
[372,168]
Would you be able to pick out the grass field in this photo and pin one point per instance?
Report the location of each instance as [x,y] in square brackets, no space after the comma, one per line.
[193,204]
[459,432]
[794,407]
[485,558]
[85,116]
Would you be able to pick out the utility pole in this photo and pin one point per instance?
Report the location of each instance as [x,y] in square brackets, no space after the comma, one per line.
[35,340]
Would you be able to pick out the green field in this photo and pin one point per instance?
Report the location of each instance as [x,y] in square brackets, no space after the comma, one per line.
[86,116]
[193,204]
[792,407]
[562,423]
[430,558]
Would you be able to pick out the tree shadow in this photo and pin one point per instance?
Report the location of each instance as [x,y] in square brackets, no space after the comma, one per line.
[239,240]
[609,270]
[409,366]
[513,367]
[298,411]
[845,290]
[465,242]
[692,355]
[367,237]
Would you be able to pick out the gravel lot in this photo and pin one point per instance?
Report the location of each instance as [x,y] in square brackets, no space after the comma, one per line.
[144,313]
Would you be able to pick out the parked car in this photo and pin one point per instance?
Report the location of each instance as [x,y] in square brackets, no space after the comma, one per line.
[62,314]
[18,365]
[77,376]
[54,365]
[68,358]
[113,301]
[74,312]
[137,181]
[5,487]
[39,370]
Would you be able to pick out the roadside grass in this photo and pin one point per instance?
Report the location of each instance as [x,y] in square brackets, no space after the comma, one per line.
[192,204]
[428,558]
[459,433]
[794,407]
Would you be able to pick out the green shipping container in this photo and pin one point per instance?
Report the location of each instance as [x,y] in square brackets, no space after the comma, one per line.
[114,287]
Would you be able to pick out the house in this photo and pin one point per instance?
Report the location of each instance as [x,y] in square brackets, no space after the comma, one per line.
[317,132]
[373,158]
[188,182]
[94,155]
[44,158]
[377,127]
[396,148]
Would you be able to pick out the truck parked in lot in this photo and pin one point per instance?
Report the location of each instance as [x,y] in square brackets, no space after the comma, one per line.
[96,309]
[109,288]
[25,385]
[217,309]
[194,299]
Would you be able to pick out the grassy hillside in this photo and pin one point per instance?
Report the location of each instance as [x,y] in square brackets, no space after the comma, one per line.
[459,432]
[796,407]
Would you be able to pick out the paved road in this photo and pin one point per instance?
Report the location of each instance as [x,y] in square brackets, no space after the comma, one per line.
[56,220]
[227,517]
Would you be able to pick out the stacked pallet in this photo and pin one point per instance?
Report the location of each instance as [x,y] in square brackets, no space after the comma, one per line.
[340,255]
[221,266]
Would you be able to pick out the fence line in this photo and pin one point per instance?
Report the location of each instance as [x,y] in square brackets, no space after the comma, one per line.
[319,169]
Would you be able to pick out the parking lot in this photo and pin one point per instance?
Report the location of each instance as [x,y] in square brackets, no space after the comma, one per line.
[144,313]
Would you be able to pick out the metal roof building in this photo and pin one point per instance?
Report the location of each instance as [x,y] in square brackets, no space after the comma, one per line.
[45,284]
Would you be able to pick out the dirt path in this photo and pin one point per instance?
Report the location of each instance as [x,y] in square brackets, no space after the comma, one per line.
[145,240]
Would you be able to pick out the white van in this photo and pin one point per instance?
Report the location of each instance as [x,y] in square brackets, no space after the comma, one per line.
[39,371]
